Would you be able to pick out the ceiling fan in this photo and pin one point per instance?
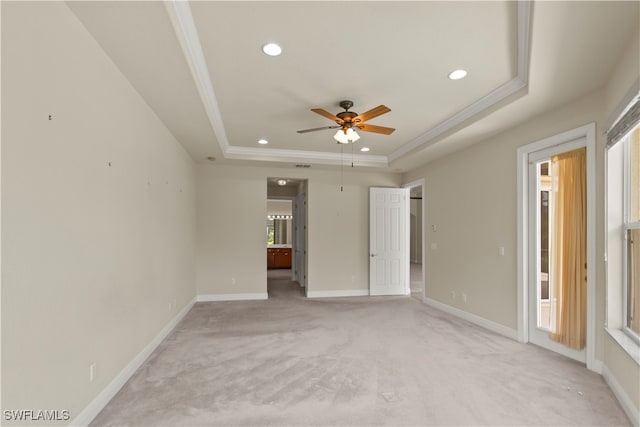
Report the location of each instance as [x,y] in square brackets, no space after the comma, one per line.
[347,120]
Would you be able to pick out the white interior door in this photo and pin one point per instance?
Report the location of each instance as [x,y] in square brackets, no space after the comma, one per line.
[388,243]
[542,306]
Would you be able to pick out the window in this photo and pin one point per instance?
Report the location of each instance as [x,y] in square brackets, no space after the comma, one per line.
[632,230]
[623,227]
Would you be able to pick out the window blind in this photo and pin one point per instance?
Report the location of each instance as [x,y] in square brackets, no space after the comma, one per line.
[625,123]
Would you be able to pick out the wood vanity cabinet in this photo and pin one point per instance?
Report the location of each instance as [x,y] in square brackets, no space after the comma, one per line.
[278,258]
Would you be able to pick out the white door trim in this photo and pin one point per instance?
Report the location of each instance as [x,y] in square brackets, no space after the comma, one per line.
[589,133]
[419,183]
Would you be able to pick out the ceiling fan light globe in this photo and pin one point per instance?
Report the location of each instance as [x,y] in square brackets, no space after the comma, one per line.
[345,136]
[341,137]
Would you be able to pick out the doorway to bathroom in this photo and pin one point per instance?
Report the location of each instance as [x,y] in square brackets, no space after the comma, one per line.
[286,237]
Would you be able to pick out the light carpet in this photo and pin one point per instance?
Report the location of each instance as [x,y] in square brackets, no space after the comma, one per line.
[289,361]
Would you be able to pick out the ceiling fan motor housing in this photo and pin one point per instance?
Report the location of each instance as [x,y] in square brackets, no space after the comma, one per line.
[347,118]
[346,104]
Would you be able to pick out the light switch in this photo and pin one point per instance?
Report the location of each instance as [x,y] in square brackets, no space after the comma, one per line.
[501,250]
[434,246]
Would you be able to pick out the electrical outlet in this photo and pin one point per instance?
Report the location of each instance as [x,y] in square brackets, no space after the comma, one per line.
[233,280]
[170,307]
[453,294]
[434,227]
[501,250]
[353,278]
[464,297]
[92,372]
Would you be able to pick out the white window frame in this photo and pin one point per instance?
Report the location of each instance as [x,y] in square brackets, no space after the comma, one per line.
[627,225]
[616,214]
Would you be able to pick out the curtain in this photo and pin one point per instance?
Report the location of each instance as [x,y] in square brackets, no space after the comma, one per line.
[569,248]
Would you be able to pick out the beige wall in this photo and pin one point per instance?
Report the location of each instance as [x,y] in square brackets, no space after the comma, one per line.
[279,207]
[231,209]
[98,214]
[471,199]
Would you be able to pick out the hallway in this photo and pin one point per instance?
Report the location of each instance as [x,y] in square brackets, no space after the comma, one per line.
[280,285]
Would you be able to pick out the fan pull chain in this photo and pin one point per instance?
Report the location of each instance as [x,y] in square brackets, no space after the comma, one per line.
[341,167]
[352,155]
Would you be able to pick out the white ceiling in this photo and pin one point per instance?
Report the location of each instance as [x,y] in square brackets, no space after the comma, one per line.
[199,65]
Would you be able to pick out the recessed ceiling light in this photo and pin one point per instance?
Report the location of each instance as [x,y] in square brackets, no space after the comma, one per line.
[272,49]
[365,149]
[458,74]
[282,182]
[263,141]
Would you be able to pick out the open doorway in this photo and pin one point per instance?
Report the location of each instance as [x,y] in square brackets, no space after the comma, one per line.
[416,238]
[286,237]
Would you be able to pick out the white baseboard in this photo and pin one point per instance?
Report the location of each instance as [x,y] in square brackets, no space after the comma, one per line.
[597,366]
[101,400]
[627,405]
[334,294]
[232,297]
[480,321]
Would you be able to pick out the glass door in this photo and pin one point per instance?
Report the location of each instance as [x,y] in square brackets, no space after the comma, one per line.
[542,232]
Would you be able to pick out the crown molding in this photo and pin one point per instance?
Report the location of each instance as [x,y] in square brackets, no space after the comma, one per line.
[319,157]
[473,110]
[184,26]
[182,20]
[524,39]
[486,102]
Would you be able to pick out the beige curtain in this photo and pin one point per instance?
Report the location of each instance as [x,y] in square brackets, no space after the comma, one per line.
[569,248]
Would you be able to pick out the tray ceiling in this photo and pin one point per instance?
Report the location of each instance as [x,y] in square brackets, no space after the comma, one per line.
[199,65]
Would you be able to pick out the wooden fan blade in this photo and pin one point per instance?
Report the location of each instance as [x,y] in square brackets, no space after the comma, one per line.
[315,129]
[375,129]
[328,115]
[375,112]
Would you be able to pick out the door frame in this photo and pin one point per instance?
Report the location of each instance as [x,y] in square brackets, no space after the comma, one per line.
[294,242]
[300,223]
[418,183]
[588,132]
